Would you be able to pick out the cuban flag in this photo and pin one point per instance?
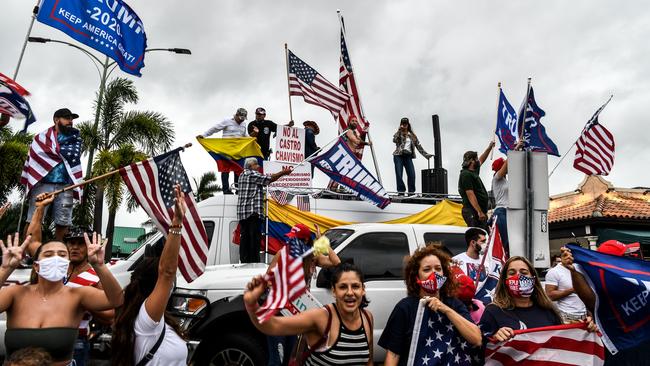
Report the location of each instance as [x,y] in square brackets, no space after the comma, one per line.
[507,126]
[534,133]
[621,286]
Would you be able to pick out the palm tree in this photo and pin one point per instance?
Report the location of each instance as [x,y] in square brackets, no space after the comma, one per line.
[206,186]
[14,147]
[123,137]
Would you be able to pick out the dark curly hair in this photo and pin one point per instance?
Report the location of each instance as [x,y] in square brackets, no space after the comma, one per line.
[348,267]
[412,267]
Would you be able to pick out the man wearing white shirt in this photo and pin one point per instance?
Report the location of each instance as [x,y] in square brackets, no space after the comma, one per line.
[231,127]
[470,261]
[559,287]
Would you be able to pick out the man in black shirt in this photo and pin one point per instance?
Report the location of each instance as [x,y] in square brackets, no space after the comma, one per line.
[261,128]
[472,190]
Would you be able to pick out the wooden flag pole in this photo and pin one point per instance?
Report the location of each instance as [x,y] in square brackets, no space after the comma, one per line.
[494,135]
[286,58]
[54,193]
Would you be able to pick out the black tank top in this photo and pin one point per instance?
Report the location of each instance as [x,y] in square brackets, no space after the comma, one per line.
[351,347]
[58,342]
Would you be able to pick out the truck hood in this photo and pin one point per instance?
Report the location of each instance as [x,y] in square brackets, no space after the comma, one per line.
[224,277]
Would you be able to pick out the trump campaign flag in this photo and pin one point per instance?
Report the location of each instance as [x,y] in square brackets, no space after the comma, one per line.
[12,102]
[506,124]
[343,167]
[230,153]
[565,345]
[534,133]
[621,286]
[151,182]
[436,342]
[110,27]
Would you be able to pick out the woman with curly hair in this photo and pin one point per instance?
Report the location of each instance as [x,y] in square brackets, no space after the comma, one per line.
[519,302]
[428,276]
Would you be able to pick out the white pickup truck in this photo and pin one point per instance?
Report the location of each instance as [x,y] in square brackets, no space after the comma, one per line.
[222,329]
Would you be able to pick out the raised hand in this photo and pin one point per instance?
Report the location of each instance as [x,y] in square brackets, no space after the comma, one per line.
[12,253]
[96,249]
[179,205]
[254,289]
[44,199]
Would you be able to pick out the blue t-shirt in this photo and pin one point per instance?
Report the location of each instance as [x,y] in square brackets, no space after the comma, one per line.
[396,337]
[59,174]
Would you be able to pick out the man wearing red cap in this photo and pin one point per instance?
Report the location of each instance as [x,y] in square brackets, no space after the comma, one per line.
[500,192]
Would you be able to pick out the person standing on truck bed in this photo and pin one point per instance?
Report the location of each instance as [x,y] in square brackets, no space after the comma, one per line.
[250,208]
[231,127]
[337,334]
[472,190]
[406,142]
[261,129]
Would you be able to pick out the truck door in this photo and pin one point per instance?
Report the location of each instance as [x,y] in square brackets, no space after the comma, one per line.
[380,257]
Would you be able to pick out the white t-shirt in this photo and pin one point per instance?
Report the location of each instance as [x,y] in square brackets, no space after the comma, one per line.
[470,266]
[172,350]
[560,276]
[500,191]
[230,128]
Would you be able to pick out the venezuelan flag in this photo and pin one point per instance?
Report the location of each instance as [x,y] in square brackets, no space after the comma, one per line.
[231,152]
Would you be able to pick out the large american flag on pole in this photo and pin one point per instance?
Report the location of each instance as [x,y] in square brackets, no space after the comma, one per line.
[348,83]
[313,87]
[595,147]
[287,280]
[151,182]
[564,345]
[45,153]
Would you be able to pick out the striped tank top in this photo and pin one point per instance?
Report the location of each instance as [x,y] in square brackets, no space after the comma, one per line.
[351,347]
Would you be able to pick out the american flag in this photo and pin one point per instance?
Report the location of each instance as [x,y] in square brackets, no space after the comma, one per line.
[302,202]
[287,280]
[14,85]
[151,182]
[569,344]
[595,147]
[45,153]
[348,83]
[313,87]
[435,341]
[281,197]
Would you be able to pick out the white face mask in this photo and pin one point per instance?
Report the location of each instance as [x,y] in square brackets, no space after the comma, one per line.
[53,269]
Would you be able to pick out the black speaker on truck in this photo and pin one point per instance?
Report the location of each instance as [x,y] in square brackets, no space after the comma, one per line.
[435,180]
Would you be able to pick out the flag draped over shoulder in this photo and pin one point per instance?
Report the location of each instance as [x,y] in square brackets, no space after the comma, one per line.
[565,345]
[151,182]
[534,133]
[287,280]
[595,147]
[506,129]
[231,152]
[45,153]
[13,103]
[493,261]
[621,286]
[343,167]
[436,342]
[305,81]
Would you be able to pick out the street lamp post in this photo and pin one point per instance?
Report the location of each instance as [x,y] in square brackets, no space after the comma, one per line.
[104,72]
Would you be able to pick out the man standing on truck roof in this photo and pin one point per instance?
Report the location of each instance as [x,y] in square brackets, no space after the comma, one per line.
[261,129]
[472,190]
[250,205]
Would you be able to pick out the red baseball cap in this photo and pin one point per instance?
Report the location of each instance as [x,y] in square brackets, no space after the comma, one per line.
[615,247]
[497,164]
[300,231]
[466,288]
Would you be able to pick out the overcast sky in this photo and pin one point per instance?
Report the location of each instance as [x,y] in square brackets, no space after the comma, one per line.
[411,58]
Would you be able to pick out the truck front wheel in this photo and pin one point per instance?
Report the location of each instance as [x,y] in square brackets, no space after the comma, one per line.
[232,349]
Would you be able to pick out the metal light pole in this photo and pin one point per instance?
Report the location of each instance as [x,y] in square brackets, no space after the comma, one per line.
[104,68]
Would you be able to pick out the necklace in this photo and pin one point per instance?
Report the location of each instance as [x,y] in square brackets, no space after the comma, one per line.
[45,298]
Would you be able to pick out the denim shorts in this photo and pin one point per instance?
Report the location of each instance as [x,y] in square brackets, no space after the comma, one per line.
[62,203]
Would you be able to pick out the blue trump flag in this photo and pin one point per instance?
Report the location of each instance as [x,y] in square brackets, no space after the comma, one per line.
[13,104]
[534,133]
[506,124]
[340,164]
[109,26]
[622,293]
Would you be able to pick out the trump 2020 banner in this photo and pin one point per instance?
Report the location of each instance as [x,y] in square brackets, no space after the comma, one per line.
[109,26]
[622,288]
[340,164]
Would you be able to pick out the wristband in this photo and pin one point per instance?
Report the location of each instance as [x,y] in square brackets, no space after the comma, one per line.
[175,232]
[179,226]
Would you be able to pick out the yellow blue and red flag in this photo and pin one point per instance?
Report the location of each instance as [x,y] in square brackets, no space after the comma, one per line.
[231,152]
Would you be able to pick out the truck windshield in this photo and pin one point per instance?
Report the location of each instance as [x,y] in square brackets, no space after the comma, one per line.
[337,236]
